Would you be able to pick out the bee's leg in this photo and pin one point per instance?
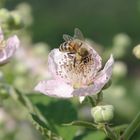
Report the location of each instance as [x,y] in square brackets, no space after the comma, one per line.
[70,55]
[74,62]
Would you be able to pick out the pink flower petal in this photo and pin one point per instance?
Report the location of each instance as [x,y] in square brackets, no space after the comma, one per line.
[11,45]
[55,88]
[104,75]
[52,66]
[97,61]
[100,80]
[85,91]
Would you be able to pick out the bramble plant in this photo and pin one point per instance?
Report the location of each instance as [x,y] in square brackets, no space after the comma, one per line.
[74,70]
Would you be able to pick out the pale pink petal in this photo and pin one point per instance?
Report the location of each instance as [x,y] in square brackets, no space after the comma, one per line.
[85,91]
[55,88]
[97,61]
[11,45]
[52,66]
[55,60]
[104,75]
[99,81]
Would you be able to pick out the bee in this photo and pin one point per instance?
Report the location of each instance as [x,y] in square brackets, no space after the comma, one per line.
[75,46]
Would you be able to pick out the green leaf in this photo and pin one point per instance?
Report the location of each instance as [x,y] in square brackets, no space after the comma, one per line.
[96,135]
[56,111]
[82,123]
[67,133]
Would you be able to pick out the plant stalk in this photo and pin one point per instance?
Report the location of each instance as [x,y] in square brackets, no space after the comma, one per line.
[131,128]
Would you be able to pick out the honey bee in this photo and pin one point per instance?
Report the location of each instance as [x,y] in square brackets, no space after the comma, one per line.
[75,46]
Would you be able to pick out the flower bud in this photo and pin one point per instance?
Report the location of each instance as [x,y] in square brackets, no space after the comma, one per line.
[136,51]
[4,15]
[15,22]
[122,40]
[119,69]
[120,44]
[103,113]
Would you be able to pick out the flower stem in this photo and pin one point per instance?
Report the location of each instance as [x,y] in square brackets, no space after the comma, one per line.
[131,128]
[110,133]
[99,97]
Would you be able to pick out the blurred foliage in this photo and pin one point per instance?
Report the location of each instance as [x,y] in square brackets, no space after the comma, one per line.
[98,19]
[114,24]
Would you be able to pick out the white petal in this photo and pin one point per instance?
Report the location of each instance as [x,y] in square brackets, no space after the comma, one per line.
[54,59]
[104,75]
[11,45]
[55,88]
[81,99]
[89,90]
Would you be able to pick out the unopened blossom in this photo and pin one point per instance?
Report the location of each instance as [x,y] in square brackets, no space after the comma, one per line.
[7,47]
[80,79]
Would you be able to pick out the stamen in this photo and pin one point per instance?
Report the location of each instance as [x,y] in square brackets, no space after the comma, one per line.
[2,44]
[79,74]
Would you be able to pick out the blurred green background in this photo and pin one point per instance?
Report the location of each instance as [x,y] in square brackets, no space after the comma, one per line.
[115,27]
[98,19]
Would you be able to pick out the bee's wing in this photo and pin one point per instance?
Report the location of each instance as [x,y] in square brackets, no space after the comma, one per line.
[78,34]
[67,37]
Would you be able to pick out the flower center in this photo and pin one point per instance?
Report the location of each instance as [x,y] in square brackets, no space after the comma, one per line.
[2,44]
[79,73]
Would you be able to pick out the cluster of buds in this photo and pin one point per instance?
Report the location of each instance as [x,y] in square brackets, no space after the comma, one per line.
[10,20]
[136,51]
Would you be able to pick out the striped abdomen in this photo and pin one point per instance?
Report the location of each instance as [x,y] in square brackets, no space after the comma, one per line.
[68,47]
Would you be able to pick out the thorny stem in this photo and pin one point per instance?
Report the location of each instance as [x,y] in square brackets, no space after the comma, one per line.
[131,128]
[110,132]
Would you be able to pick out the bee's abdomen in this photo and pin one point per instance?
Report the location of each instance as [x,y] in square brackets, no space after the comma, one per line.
[66,47]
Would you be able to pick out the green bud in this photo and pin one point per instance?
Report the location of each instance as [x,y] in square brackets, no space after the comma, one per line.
[15,22]
[4,15]
[103,113]
[136,51]
[119,69]
[121,42]
[20,68]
